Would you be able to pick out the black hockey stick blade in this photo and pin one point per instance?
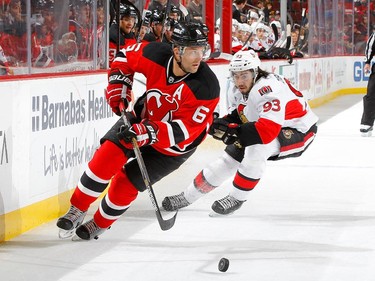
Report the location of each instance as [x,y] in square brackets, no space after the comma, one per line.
[275,31]
[166,224]
[220,55]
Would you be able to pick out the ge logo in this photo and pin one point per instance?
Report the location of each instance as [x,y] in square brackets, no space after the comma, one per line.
[359,74]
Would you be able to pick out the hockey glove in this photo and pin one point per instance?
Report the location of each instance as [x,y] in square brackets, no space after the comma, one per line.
[116,82]
[225,131]
[144,133]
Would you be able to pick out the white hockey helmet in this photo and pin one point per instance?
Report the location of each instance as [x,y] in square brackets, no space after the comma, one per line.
[244,27]
[253,15]
[245,60]
[260,25]
[276,23]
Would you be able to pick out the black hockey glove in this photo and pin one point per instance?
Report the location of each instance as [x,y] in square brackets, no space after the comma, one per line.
[223,130]
[277,53]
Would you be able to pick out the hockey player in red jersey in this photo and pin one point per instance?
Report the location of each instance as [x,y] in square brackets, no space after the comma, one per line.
[128,18]
[171,119]
[272,121]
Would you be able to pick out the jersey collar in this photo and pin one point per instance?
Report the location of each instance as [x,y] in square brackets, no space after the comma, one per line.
[171,78]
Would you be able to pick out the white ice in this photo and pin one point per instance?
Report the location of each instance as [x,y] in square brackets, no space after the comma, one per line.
[310,218]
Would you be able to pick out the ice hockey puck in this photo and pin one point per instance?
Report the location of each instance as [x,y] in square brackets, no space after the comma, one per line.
[223,264]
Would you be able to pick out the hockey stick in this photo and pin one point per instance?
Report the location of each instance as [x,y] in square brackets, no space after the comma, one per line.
[288,36]
[184,11]
[167,12]
[220,55]
[164,224]
[275,32]
[301,36]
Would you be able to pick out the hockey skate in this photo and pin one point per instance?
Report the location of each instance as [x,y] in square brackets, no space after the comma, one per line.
[69,222]
[175,202]
[88,231]
[226,206]
[366,130]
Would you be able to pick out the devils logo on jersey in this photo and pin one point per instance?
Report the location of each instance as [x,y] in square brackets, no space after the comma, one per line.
[160,106]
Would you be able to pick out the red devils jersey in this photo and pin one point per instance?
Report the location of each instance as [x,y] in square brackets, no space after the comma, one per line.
[124,40]
[182,107]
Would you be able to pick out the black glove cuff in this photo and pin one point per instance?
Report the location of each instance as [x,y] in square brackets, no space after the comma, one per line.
[117,77]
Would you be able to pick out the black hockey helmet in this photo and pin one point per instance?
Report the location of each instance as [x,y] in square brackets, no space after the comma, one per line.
[187,34]
[170,23]
[174,10]
[157,16]
[127,11]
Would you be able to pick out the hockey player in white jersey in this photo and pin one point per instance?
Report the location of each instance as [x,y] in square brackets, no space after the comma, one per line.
[272,121]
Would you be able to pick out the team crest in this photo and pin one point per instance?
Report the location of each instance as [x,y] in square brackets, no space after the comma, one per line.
[265,90]
[160,106]
[287,133]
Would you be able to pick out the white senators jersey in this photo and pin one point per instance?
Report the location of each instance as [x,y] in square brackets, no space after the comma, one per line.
[273,103]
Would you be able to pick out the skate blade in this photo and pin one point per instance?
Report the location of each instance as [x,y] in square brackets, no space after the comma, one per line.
[217,215]
[65,234]
[75,237]
[366,135]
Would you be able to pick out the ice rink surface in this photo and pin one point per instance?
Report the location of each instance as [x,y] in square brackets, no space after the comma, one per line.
[310,218]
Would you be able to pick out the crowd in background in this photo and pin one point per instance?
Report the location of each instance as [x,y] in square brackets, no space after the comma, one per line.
[68,31]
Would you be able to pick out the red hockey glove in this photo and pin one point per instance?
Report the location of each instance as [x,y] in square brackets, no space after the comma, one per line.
[116,82]
[144,132]
[222,130]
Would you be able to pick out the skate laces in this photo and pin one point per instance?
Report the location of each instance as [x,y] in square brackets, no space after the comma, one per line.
[92,227]
[229,202]
[74,214]
[179,200]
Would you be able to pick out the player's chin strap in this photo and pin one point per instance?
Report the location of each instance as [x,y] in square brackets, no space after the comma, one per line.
[164,224]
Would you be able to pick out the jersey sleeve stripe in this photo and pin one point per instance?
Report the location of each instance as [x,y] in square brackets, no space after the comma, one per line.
[369,48]
[120,59]
[183,129]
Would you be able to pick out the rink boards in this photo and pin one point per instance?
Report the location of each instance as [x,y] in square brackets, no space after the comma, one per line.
[51,126]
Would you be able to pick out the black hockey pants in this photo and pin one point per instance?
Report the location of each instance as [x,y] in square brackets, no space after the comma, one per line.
[368,115]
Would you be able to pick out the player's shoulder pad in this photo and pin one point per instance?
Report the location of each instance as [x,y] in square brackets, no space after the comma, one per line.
[158,52]
[204,83]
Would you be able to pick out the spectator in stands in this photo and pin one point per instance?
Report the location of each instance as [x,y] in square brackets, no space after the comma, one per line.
[4,65]
[217,39]
[13,39]
[42,36]
[159,5]
[101,34]
[195,10]
[263,10]
[81,26]
[238,6]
